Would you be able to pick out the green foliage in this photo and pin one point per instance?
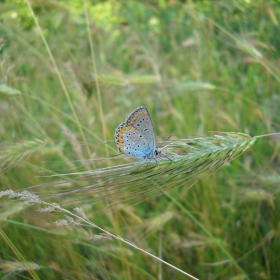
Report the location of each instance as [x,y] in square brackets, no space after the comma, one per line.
[198,66]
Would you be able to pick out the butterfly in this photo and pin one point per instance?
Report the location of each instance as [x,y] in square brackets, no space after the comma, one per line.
[135,136]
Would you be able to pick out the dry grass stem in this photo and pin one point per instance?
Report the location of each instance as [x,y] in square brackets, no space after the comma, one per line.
[100,236]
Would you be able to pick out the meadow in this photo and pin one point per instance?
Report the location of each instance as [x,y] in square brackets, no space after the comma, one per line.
[71,72]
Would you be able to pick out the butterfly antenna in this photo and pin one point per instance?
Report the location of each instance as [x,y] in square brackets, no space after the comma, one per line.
[164,141]
[168,157]
[162,145]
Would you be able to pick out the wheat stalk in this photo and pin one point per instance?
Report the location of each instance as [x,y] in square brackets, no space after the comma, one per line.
[180,161]
[11,155]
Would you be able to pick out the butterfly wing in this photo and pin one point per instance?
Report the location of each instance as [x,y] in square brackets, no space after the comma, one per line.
[141,120]
[131,141]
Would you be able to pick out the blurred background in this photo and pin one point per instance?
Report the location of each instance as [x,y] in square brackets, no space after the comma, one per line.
[71,71]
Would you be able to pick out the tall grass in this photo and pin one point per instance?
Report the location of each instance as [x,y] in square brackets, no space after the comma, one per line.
[81,68]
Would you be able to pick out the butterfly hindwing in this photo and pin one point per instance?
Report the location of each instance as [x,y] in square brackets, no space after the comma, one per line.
[141,120]
[130,141]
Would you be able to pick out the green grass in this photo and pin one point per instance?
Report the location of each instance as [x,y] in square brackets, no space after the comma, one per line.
[69,77]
